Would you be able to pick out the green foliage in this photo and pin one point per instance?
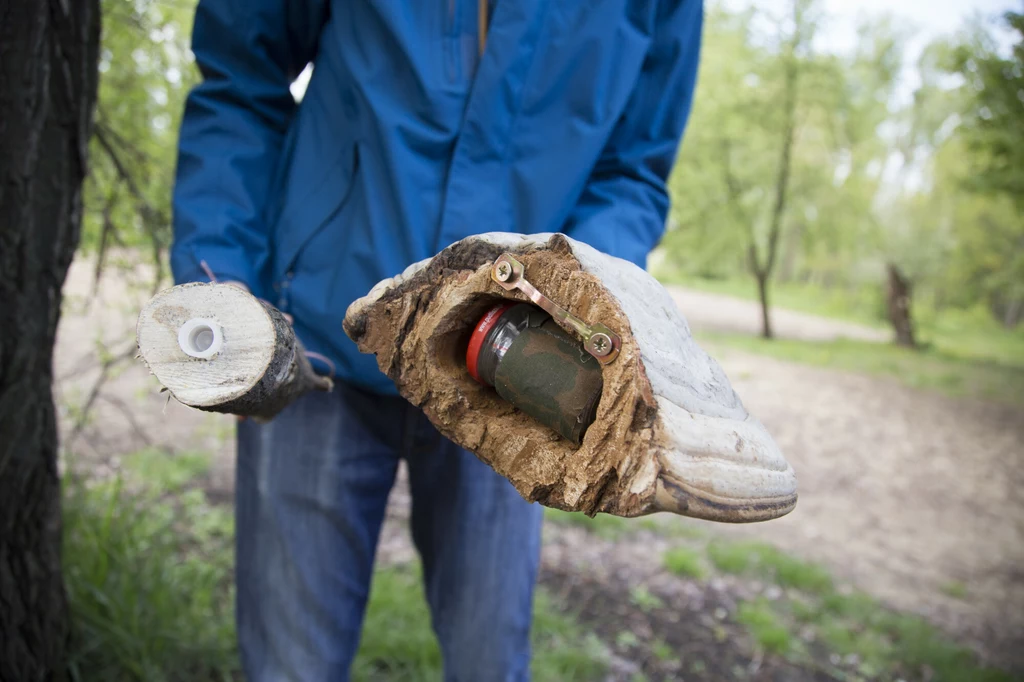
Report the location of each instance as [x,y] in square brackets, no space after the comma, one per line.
[146,70]
[991,127]
[764,626]
[930,183]
[757,185]
[983,166]
[149,585]
[684,562]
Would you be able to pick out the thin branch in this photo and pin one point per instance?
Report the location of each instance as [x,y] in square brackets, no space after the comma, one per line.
[105,233]
[146,211]
[122,170]
[105,369]
[126,412]
[116,138]
[736,191]
[786,151]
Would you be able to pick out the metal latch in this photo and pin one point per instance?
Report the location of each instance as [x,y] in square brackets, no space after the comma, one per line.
[598,340]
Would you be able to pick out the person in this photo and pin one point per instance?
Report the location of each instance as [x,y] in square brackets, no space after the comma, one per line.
[423,123]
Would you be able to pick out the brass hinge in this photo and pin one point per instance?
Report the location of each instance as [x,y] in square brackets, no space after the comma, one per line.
[598,340]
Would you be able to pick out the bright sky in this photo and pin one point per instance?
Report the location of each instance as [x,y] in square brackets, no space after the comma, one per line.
[934,17]
[926,19]
[930,18]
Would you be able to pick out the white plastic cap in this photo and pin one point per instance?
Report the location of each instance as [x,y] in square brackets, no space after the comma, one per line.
[201,338]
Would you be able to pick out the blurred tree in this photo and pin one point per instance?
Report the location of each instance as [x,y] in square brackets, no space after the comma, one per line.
[756,105]
[146,72]
[990,240]
[809,166]
[47,91]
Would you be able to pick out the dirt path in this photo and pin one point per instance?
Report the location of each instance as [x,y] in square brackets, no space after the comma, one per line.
[905,493]
[717,312]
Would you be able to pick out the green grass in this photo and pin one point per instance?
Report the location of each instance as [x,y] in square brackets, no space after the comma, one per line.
[863,305]
[756,558]
[885,641]
[149,577]
[156,468]
[149,585]
[965,352]
[614,528]
[669,525]
[662,651]
[645,600]
[626,639]
[149,580]
[684,562]
[399,644]
[886,644]
[765,626]
[602,525]
[931,369]
[955,589]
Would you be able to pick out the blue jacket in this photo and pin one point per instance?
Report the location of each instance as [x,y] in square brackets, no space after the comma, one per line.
[407,140]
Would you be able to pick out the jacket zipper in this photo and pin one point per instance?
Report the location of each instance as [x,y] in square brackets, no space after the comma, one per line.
[284,291]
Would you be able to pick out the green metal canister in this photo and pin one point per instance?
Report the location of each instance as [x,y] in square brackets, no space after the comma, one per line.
[534,364]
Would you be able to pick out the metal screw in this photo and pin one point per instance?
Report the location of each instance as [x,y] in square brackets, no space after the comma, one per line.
[504,271]
[601,344]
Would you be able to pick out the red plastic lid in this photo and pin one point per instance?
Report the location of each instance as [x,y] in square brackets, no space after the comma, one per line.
[476,341]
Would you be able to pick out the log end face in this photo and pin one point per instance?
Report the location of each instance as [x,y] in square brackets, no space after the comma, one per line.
[207,343]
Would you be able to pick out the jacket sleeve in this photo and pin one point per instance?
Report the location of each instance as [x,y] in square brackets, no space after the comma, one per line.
[624,205]
[235,120]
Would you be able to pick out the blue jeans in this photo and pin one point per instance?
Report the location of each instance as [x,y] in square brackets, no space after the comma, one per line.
[310,499]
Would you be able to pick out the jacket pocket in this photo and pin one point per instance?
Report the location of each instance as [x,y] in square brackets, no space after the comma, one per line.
[307,213]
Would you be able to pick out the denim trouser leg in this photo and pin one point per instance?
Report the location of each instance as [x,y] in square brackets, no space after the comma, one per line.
[310,497]
[480,545]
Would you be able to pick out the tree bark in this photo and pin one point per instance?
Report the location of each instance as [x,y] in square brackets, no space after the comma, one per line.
[1014,311]
[766,318]
[48,78]
[899,296]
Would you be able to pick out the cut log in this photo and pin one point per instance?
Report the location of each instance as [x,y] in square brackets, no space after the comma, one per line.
[217,348]
[670,432]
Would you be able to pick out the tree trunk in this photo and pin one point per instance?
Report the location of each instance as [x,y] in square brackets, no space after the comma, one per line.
[766,318]
[48,72]
[1014,311]
[898,294]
